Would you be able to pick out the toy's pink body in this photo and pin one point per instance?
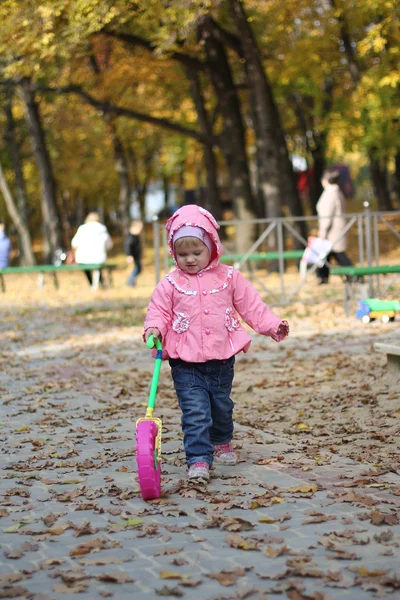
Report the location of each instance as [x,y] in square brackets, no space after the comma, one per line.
[149,475]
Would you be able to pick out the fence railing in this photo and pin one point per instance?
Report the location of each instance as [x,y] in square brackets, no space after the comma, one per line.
[368,232]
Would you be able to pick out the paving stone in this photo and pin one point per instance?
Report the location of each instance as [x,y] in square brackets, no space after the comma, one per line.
[206,550]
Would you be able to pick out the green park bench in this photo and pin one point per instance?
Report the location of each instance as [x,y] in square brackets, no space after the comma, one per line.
[53,270]
[348,273]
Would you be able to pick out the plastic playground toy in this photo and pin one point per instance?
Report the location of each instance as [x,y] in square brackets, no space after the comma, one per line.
[148,437]
[385,310]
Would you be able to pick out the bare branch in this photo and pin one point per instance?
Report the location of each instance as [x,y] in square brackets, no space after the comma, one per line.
[127,112]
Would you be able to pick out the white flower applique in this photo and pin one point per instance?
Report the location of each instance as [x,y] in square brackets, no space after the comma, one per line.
[181,323]
[231,320]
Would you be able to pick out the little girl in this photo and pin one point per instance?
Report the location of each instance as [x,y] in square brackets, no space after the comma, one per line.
[195,310]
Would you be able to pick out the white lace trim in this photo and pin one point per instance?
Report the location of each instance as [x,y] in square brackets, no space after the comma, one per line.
[178,287]
[178,226]
[204,211]
[231,319]
[181,323]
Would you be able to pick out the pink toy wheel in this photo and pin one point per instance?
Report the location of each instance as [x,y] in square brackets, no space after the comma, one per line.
[149,467]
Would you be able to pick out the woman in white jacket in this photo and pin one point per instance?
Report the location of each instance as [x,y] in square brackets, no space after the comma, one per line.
[331,212]
[91,243]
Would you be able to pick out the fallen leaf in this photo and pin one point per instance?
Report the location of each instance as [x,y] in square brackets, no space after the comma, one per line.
[170,575]
[304,489]
[237,541]
[115,577]
[169,591]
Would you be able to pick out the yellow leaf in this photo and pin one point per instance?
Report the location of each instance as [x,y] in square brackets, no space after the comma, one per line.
[131,522]
[277,500]
[374,573]
[301,426]
[304,489]
[170,575]
[24,428]
[266,520]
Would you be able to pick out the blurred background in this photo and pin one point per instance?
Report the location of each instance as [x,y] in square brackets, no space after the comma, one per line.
[131,109]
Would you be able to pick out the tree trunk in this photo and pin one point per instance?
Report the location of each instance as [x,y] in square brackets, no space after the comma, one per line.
[213,201]
[379,178]
[121,166]
[397,175]
[378,174]
[319,162]
[277,178]
[232,135]
[50,214]
[166,192]
[271,141]
[260,102]
[19,211]
[21,228]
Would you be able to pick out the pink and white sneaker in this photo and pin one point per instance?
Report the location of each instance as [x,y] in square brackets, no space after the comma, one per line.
[199,471]
[224,454]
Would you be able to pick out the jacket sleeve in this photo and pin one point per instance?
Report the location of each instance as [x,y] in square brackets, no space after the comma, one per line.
[109,242]
[252,309]
[326,211]
[159,311]
[76,240]
[127,245]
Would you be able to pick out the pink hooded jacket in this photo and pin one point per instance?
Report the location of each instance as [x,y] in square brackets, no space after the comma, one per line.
[198,314]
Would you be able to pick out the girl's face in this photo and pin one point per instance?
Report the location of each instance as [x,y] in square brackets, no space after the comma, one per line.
[192,257]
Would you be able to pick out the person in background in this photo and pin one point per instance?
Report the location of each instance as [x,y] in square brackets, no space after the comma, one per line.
[331,210]
[91,243]
[133,250]
[195,310]
[5,247]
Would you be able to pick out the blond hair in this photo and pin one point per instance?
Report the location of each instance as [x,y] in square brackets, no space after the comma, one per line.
[188,241]
[92,216]
[136,227]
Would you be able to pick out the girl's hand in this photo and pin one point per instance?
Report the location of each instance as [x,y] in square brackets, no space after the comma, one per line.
[154,332]
[283,331]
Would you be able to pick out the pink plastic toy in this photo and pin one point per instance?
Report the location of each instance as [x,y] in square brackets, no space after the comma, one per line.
[148,437]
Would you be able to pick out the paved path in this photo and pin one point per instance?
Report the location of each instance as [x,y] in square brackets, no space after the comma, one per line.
[72,520]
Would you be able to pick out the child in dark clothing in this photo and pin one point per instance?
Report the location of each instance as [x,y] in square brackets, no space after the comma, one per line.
[133,250]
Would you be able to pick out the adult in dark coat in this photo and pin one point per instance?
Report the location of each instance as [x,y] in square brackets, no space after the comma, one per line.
[133,250]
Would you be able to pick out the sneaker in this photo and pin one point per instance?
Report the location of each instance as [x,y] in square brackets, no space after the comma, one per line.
[199,471]
[224,454]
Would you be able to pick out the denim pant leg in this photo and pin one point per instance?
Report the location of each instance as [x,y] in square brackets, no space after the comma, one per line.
[194,401]
[221,404]
[134,273]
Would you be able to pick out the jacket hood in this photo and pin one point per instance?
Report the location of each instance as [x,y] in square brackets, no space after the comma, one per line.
[195,216]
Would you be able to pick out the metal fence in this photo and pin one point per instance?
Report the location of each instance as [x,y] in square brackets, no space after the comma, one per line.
[372,234]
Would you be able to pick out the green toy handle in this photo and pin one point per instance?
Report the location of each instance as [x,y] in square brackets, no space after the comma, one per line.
[156,373]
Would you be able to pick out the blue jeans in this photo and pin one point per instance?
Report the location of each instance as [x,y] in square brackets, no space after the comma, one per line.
[134,273]
[203,391]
